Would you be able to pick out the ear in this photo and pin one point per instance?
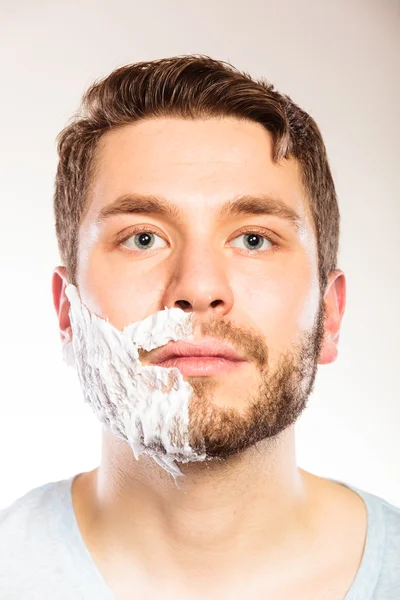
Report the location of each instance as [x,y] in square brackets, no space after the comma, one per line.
[61,303]
[335,304]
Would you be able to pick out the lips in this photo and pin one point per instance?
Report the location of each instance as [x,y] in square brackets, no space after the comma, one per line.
[205,349]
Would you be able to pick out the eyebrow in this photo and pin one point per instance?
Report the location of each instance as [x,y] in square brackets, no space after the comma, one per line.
[262,204]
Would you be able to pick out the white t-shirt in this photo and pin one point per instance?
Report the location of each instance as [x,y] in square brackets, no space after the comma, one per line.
[43,555]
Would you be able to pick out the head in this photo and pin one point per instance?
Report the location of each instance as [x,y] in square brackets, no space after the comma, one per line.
[185,183]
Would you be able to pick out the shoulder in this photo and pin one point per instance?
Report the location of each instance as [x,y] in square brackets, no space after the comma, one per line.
[392,543]
[385,545]
[31,529]
[388,518]
[33,510]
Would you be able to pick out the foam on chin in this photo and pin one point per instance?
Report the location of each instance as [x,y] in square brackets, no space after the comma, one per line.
[146,406]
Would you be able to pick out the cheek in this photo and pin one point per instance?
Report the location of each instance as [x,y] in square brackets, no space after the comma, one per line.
[113,291]
[280,305]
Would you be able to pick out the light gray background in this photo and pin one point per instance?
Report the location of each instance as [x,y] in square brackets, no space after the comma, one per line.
[340,61]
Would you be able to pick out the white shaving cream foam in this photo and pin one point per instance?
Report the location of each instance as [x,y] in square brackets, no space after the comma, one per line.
[146,406]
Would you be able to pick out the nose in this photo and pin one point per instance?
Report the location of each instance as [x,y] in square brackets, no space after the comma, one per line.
[199,282]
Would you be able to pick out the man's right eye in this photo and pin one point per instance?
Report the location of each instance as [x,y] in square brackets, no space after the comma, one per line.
[142,240]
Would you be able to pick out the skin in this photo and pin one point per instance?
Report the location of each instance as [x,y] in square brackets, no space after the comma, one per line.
[254,523]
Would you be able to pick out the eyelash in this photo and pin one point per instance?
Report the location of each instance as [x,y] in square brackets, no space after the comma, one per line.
[261,233]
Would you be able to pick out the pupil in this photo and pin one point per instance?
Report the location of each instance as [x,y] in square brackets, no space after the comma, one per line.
[144,239]
[253,239]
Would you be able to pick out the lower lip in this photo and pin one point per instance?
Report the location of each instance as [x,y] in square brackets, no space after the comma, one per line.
[195,365]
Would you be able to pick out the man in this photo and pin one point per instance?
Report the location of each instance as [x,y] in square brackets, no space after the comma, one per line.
[198,226]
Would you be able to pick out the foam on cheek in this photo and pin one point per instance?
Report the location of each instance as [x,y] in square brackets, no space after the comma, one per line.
[146,406]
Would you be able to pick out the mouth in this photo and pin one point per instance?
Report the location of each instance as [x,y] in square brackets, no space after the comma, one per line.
[205,357]
[202,365]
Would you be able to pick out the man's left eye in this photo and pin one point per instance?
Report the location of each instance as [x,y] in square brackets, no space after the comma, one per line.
[254,241]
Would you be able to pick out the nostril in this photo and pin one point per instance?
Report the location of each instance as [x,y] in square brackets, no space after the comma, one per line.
[215,303]
[183,304]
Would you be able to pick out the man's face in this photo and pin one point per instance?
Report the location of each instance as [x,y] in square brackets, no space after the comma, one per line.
[260,294]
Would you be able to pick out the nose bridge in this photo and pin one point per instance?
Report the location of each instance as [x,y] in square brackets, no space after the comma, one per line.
[199,278]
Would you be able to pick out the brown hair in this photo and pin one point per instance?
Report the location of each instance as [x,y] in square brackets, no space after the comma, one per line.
[190,87]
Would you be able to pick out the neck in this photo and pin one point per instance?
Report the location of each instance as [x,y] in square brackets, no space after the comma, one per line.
[225,516]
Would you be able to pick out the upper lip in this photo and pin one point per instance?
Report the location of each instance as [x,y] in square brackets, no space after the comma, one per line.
[212,348]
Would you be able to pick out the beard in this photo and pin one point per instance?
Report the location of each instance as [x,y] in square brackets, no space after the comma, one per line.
[218,432]
[172,420]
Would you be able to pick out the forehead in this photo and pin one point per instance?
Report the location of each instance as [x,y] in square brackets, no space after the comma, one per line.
[196,164]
